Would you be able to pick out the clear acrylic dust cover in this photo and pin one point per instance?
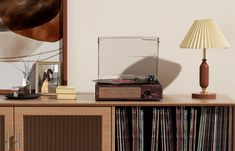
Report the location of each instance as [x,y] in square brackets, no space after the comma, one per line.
[127,57]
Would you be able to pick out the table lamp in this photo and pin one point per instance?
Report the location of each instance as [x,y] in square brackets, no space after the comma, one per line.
[204,34]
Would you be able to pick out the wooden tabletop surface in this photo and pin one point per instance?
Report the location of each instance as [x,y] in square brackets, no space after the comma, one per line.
[89,101]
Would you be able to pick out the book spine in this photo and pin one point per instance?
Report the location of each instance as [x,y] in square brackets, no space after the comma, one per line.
[200,131]
[124,129]
[225,129]
[220,124]
[185,129]
[205,132]
[153,130]
[142,128]
[137,130]
[117,130]
[172,133]
[127,132]
[230,129]
[191,130]
[166,129]
[178,128]
[215,129]
[195,130]
[204,128]
[182,129]
[162,130]
[157,130]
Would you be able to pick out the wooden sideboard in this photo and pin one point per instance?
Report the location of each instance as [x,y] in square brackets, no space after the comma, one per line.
[47,124]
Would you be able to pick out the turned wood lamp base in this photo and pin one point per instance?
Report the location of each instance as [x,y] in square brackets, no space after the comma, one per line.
[203,96]
[204,80]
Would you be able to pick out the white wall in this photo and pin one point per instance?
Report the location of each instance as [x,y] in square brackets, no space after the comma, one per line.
[168,19]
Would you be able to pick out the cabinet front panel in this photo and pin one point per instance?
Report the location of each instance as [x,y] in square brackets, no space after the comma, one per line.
[62,133]
[63,128]
[2,133]
[6,129]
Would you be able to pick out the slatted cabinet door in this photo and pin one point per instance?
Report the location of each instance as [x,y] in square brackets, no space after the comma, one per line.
[63,128]
[6,129]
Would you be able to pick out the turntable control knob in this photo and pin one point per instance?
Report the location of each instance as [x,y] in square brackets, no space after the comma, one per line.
[147,92]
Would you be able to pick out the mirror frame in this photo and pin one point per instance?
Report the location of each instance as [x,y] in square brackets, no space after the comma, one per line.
[64,53]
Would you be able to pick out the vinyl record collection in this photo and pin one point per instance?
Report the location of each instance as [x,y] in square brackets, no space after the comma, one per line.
[174,128]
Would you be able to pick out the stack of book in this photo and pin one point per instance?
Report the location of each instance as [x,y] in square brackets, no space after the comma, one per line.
[130,133]
[65,93]
[174,128]
[162,130]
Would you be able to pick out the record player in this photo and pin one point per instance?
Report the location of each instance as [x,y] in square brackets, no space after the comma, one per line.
[137,88]
[124,73]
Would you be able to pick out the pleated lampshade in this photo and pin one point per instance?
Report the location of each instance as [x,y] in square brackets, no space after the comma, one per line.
[204,34]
